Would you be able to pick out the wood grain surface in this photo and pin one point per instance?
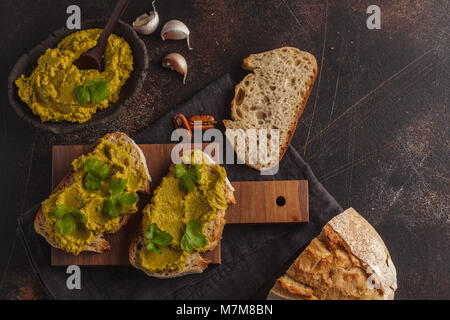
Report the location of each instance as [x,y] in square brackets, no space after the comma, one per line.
[256,202]
[275,202]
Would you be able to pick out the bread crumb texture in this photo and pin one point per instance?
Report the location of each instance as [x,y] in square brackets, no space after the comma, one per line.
[272,98]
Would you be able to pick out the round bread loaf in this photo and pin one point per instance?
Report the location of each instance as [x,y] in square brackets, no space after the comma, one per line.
[348,260]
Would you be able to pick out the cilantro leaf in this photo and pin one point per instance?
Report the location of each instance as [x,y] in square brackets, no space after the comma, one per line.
[94,91]
[195,173]
[187,183]
[113,205]
[193,236]
[179,171]
[188,178]
[92,164]
[156,238]
[153,247]
[127,199]
[96,172]
[77,214]
[104,172]
[186,245]
[98,89]
[66,225]
[117,186]
[66,219]
[82,94]
[95,167]
[91,182]
[162,238]
[149,234]
[60,211]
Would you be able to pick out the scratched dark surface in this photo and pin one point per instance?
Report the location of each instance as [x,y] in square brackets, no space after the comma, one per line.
[375,130]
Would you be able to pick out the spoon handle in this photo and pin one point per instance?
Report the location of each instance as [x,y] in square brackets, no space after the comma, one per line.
[112,22]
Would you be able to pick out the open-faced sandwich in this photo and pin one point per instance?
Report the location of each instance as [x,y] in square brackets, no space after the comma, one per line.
[184,219]
[96,197]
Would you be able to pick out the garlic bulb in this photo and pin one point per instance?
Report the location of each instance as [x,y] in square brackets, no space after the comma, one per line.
[147,23]
[177,62]
[175,30]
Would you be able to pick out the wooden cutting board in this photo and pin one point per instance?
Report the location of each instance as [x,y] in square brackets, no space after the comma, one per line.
[256,202]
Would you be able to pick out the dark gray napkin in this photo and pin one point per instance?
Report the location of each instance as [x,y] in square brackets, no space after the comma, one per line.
[253,256]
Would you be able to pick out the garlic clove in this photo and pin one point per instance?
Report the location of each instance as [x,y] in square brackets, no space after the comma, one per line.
[177,62]
[175,30]
[147,23]
[142,20]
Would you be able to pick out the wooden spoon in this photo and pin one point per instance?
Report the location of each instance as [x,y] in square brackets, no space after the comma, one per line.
[92,59]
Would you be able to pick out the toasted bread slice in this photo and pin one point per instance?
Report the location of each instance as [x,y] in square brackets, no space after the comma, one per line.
[195,263]
[99,244]
[272,97]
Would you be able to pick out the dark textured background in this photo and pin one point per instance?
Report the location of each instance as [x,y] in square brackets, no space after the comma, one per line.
[375,129]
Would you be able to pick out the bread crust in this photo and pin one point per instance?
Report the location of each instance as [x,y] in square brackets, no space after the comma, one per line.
[246,66]
[348,260]
[195,263]
[366,244]
[99,244]
[286,289]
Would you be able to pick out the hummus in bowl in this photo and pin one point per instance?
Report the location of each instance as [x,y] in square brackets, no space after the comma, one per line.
[41,86]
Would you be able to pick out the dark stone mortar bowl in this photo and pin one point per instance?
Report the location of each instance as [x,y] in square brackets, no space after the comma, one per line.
[27,63]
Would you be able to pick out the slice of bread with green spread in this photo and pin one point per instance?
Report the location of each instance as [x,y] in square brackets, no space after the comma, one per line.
[272,97]
[171,209]
[72,193]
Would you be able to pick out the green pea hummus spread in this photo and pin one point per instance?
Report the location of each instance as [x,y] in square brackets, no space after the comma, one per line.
[90,202]
[171,208]
[49,90]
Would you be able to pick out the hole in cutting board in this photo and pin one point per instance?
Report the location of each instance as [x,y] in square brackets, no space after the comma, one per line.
[281,201]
